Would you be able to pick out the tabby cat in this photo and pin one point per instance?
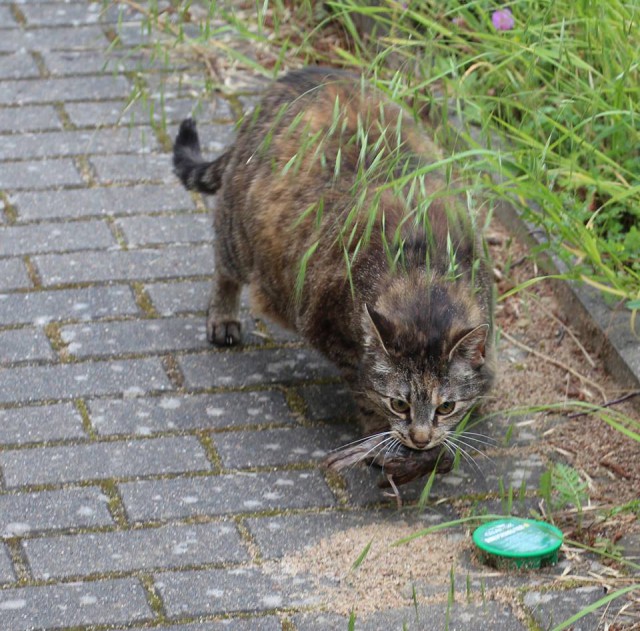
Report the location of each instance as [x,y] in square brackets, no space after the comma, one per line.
[331,209]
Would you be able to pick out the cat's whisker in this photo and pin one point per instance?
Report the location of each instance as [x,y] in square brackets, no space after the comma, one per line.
[478,451]
[489,438]
[472,463]
[359,440]
[487,442]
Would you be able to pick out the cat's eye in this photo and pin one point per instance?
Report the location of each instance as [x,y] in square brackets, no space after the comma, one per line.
[446,408]
[399,406]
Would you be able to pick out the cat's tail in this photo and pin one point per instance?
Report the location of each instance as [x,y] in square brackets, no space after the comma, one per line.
[195,173]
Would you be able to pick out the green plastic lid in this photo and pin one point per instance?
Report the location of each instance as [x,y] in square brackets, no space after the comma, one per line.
[518,543]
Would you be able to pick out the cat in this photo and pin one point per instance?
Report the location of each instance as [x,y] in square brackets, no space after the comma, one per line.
[330,209]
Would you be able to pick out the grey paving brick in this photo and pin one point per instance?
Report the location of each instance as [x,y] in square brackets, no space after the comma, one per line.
[177,261]
[262,623]
[37,424]
[280,446]
[281,535]
[254,367]
[126,551]
[27,118]
[99,201]
[6,569]
[55,237]
[30,513]
[99,602]
[103,460]
[68,304]
[145,416]
[183,228]
[154,107]
[329,401]
[17,65]
[26,344]
[75,13]
[24,91]
[42,383]
[73,143]
[40,174]
[132,168]
[181,297]
[222,591]
[115,338]
[13,274]
[224,494]
[146,336]
[74,62]
[61,38]
[6,17]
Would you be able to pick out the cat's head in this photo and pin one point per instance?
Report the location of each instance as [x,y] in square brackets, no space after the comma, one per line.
[427,359]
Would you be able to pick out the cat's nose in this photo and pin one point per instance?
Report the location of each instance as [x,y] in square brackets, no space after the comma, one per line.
[420,436]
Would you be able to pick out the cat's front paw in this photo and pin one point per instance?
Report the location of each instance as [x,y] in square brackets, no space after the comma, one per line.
[223,333]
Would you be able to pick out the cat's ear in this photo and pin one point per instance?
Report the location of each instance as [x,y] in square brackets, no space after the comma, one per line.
[380,326]
[471,347]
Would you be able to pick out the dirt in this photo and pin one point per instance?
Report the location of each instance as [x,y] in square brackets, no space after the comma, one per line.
[387,574]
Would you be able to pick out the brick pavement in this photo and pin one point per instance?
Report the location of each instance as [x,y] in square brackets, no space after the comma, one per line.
[145,478]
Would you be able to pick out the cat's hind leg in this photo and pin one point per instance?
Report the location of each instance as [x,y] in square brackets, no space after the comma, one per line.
[223,324]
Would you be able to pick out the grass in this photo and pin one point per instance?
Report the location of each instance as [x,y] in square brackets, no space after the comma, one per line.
[548,111]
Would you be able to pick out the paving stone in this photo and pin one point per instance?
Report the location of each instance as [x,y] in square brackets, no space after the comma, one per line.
[183,228]
[154,107]
[181,297]
[132,168]
[144,336]
[17,65]
[223,591]
[224,494]
[127,551]
[60,38]
[30,513]
[40,174]
[145,416]
[39,238]
[58,13]
[6,18]
[6,569]
[237,369]
[103,460]
[551,608]
[329,401]
[42,383]
[74,143]
[68,304]
[37,424]
[83,62]
[25,91]
[279,446]
[459,616]
[263,623]
[25,119]
[177,261]
[281,535]
[13,274]
[99,602]
[28,344]
[99,201]
[12,40]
